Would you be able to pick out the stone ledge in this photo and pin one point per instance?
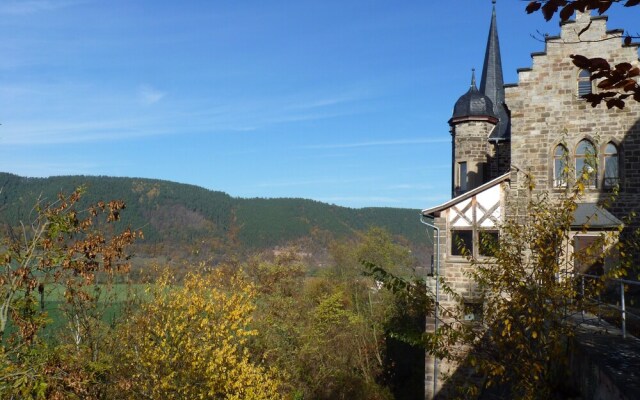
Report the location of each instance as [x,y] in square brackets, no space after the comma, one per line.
[603,364]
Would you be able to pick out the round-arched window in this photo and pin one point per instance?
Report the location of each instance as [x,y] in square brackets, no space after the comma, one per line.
[585,86]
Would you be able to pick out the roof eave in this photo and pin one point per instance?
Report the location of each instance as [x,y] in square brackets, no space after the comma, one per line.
[428,212]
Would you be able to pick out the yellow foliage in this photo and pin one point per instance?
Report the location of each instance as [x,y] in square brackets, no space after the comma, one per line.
[188,342]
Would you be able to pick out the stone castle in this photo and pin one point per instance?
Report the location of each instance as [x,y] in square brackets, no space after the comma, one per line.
[537,126]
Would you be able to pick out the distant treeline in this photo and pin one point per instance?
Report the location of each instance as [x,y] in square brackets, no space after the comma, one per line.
[174,214]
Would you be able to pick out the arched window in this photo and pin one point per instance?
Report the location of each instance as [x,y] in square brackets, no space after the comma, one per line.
[560,166]
[584,83]
[611,171]
[586,165]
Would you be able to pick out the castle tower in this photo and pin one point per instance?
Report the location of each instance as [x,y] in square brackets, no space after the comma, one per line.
[480,125]
[472,122]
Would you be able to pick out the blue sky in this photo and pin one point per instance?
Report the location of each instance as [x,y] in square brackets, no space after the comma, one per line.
[344,101]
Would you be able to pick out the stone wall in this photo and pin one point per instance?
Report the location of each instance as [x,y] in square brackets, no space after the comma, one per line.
[470,145]
[546,111]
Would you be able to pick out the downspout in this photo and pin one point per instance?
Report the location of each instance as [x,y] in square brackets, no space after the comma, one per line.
[435,313]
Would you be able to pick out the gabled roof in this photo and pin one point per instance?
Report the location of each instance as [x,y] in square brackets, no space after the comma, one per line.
[592,216]
[466,195]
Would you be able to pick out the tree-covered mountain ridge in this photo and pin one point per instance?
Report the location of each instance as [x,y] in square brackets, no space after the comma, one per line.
[176,214]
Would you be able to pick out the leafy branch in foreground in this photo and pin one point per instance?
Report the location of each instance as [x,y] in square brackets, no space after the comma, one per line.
[61,247]
[566,8]
[618,82]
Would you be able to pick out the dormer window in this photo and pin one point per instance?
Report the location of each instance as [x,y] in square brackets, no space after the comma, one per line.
[585,86]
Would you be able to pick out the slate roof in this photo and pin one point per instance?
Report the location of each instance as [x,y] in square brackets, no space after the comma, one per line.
[591,216]
[492,82]
[473,103]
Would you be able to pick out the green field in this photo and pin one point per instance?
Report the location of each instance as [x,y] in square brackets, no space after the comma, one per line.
[111,301]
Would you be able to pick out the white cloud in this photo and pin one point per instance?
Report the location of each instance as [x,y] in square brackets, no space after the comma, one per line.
[25,7]
[399,142]
[39,113]
[149,95]
[330,100]
[50,132]
[410,186]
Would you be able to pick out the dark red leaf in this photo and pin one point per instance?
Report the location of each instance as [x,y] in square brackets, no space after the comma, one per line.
[625,66]
[579,61]
[533,7]
[615,103]
[604,6]
[598,63]
[620,84]
[631,3]
[582,5]
[567,12]
[633,72]
[605,84]
[549,9]
[616,75]
[630,85]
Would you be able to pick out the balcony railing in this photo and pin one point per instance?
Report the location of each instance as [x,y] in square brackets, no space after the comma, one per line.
[620,303]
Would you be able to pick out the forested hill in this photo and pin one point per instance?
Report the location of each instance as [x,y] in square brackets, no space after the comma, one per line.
[178,214]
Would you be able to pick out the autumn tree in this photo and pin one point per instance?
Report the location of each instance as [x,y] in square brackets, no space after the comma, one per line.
[188,341]
[617,83]
[64,247]
[323,333]
[328,333]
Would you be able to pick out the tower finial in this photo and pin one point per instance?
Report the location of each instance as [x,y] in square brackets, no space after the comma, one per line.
[493,2]
[473,77]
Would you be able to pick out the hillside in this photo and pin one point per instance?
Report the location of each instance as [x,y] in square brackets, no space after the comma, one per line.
[179,216]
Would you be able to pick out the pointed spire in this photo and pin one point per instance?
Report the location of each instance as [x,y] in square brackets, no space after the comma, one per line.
[473,77]
[491,82]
